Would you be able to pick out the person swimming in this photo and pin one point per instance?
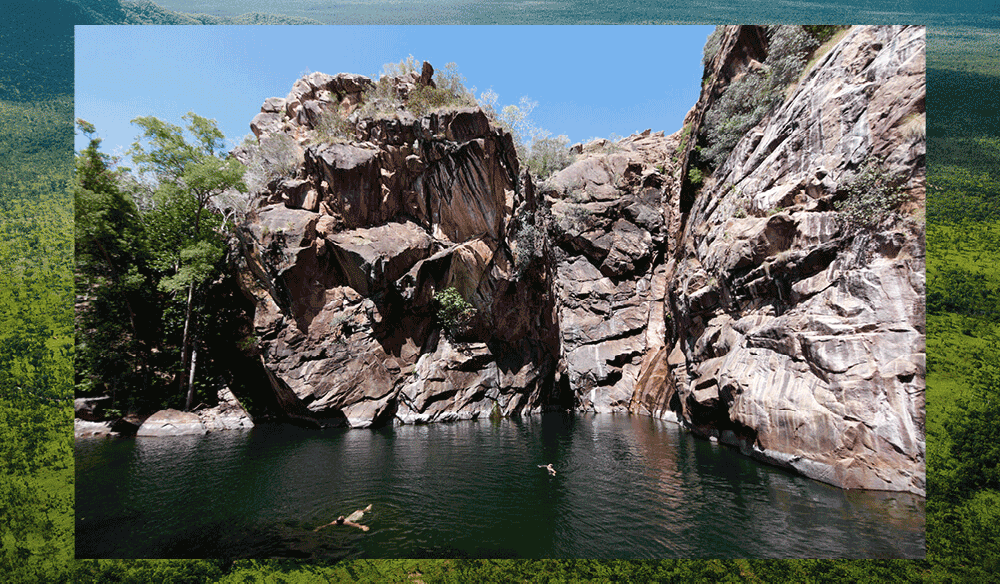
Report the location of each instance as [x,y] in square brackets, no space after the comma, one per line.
[549,468]
[350,520]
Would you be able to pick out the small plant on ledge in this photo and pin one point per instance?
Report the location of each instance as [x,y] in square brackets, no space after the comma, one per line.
[872,196]
[454,312]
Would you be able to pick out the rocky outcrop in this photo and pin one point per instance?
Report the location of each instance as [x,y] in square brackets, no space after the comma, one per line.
[90,429]
[797,336]
[347,257]
[743,306]
[610,217]
[90,409]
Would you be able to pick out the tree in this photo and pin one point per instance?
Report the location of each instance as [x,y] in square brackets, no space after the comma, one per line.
[185,176]
[109,255]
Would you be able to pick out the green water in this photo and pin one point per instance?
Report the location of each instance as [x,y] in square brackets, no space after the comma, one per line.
[626,487]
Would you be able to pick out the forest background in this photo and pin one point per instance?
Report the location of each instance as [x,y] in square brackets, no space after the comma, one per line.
[36,338]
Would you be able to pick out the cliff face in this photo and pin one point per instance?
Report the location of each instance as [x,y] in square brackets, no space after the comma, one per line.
[747,309]
[344,260]
[795,335]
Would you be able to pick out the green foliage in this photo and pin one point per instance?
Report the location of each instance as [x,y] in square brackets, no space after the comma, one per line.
[695,178]
[36,333]
[142,571]
[872,196]
[448,91]
[956,193]
[963,276]
[712,46]
[974,433]
[454,312]
[150,274]
[548,155]
[822,33]
[198,263]
[682,144]
[751,97]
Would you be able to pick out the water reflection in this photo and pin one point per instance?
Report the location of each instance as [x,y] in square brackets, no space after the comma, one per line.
[626,487]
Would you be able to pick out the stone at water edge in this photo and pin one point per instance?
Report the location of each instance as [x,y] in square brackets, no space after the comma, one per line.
[172,423]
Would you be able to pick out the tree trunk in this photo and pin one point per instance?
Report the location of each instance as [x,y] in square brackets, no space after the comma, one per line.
[186,344]
[190,389]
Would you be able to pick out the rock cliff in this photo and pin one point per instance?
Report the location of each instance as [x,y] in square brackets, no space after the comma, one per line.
[344,261]
[794,334]
[750,306]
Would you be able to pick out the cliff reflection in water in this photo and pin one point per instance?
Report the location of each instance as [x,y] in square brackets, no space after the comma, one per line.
[626,487]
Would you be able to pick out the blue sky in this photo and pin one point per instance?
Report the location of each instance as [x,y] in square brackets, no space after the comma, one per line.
[588,81]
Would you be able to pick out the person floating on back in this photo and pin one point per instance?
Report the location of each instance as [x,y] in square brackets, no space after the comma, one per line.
[349,520]
[549,468]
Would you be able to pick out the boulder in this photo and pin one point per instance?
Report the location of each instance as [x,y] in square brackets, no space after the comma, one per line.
[91,429]
[227,415]
[371,259]
[172,423]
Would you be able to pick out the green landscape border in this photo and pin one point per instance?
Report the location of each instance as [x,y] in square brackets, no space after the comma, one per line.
[47,557]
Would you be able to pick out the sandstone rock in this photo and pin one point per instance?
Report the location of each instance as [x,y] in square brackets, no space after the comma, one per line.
[227,415]
[815,371]
[372,259]
[172,423]
[91,429]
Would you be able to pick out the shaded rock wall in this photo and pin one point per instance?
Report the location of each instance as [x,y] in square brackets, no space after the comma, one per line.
[610,220]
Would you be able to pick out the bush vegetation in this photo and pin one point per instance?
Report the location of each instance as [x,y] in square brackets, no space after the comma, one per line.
[872,196]
[529,241]
[383,98]
[333,126]
[542,154]
[454,312]
[549,155]
[448,91]
[712,45]
[270,157]
[751,97]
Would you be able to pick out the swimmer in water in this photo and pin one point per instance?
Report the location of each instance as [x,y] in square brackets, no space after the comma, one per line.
[549,468]
[349,520]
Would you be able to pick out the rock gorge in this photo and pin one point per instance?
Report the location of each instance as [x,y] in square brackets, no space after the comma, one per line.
[743,307]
